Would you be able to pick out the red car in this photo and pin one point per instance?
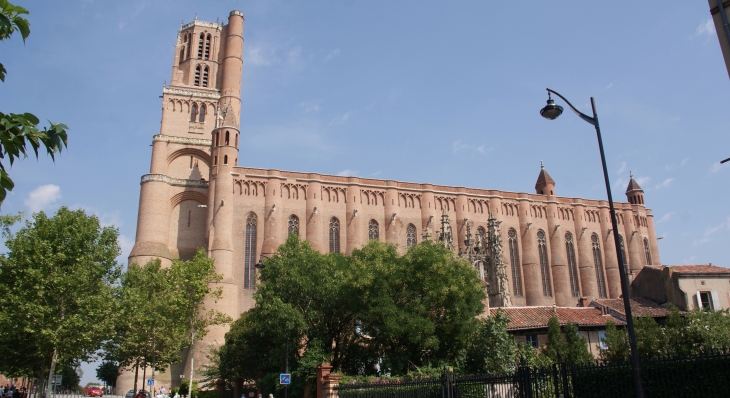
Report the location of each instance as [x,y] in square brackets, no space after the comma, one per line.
[93,391]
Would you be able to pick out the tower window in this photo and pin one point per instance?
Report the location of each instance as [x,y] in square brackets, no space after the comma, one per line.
[598,263]
[514,258]
[216,138]
[236,140]
[228,136]
[225,159]
[215,160]
[194,113]
[207,47]
[250,254]
[196,81]
[201,119]
[205,77]
[189,40]
[411,235]
[572,266]
[182,55]
[373,230]
[189,213]
[293,225]
[334,235]
[544,266]
[200,46]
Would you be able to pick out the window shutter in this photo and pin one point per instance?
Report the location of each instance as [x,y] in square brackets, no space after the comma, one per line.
[699,301]
[715,301]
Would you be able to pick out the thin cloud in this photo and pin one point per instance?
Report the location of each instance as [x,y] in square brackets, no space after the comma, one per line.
[706,237]
[715,167]
[611,84]
[664,184]
[679,165]
[42,197]
[332,54]
[341,120]
[310,106]
[459,146]
[259,56]
[707,27]
[126,244]
[347,173]
[622,168]
[667,217]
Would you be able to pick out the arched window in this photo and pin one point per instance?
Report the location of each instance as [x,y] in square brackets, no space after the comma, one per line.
[572,266]
[207,47]
[544,266]
[215,160]
[598,263]
[373,230]
[182,54]
[410,235]
[623,252]
[294,225]
[196,82]
[187,48]
[236,140]
[205,77]
[201,118]
[228,136]
[647,252]
[514,258]
[200,45]
[482,236]
[225,159]
[249,259]
[334,235]
[194,113]
[216,138]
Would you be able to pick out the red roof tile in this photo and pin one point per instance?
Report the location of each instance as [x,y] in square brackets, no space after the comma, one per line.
[538,317]
[639,307]
[699,269]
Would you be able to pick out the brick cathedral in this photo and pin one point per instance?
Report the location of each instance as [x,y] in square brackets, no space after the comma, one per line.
[556,250]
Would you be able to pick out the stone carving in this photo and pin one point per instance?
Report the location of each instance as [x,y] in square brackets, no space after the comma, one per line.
[182,140]
[177,182]
[445,236]
[191,93]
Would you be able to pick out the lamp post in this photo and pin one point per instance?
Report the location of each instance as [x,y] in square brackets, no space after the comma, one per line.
[551,112]
[259,266]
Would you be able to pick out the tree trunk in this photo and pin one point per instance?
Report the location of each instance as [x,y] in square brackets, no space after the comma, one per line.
[50,373]
[192,363]
[144,376]
[136,373]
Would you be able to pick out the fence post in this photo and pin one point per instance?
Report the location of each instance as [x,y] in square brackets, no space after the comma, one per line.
[524,382]
[323,371]
[331,382]
[566,387]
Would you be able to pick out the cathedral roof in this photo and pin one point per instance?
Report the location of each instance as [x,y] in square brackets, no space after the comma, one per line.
[544,178]
[633,185]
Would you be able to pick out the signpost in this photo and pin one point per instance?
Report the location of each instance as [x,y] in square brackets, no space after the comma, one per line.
[285,379]
[150,382]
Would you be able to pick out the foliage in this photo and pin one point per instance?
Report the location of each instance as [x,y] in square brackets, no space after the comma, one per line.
[70,377]
[571,348]
[375,312]
[185,385]
[108,372]
[17,131]
[555,348]
[492,349]
[57,281]
[617,344]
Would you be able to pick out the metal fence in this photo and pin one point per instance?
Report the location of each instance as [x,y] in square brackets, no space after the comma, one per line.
[697,376]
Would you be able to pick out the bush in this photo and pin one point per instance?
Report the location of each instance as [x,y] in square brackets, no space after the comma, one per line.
[184,388]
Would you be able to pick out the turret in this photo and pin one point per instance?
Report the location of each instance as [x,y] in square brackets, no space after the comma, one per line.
[634,193]
[545,184]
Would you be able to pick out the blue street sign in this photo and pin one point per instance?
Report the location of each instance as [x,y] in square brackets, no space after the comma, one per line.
[285,379]
[150,382]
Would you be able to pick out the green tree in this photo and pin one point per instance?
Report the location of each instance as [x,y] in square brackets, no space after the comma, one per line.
[70,377]
[492,349]
[17,131]
[555,348]
[617,344]
[108,371]
[192,281]
[58,281]
[650,338]
[576,346]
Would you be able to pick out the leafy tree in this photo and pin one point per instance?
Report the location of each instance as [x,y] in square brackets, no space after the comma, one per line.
[70,377]
[108,372]
[617,344]
[650,338]
[192,283]
[492,349]
[576,346]
[555,348]
[57,281]
[17,131]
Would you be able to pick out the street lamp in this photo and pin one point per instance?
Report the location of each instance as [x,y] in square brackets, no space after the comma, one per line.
[260,265]
[551,111]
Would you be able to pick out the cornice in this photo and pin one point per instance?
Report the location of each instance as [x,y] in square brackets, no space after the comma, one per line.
[191,93]
[182,140]
[211,25]
[176,182]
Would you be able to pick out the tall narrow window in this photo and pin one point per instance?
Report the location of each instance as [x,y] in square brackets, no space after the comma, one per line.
[200,45]
[194,113]
[482,236]
[236,140]
[225,159]
[514,258]
[294,225]
[228,136]
[334,235]
[373,230]
[544,266]
[572,266]
[189,215]
[647,252]
[196,81]
[191,162]
[207,47]
[182,54]
[598,263]
[411,235]
[216,138]
[249,260]
[623,252]
[201,118]
[187,48]
[205,77]
[215,160]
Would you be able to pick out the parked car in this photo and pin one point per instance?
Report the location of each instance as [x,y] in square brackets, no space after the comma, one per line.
[131,394]
[93,391]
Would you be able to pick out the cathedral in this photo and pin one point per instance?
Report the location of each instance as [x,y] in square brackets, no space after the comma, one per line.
[530,249]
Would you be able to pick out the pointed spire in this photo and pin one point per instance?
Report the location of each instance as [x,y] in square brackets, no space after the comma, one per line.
[634,193]
[633,185]
[545,184]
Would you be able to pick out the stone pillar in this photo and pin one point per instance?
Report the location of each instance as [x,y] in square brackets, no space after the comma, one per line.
[462,213]
[558,258]
[355,223]
[331,382]
[530,258]
[315,234]
[322,371]
[153,221]
[585,252]
[273,214]
[653,242]
[391,207]
[613,281]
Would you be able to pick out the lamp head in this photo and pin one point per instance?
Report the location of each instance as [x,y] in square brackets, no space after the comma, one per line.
[551,111]
[259,265]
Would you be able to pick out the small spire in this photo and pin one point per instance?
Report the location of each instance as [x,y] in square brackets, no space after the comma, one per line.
[542,166]
[631,174]
[196,16]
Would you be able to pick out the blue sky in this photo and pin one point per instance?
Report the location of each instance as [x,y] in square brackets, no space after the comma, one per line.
[447,93]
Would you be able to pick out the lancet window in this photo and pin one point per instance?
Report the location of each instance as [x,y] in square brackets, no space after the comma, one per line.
[200,45]
[544,266]
[249,261]
[373,230]
[572,265]
[205,77]
[207,47]
[598,263]
[201,118]
[411,235]
[194,113]
[334,235]
[647,252]
[294,225]
[514,258]
[196,81]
